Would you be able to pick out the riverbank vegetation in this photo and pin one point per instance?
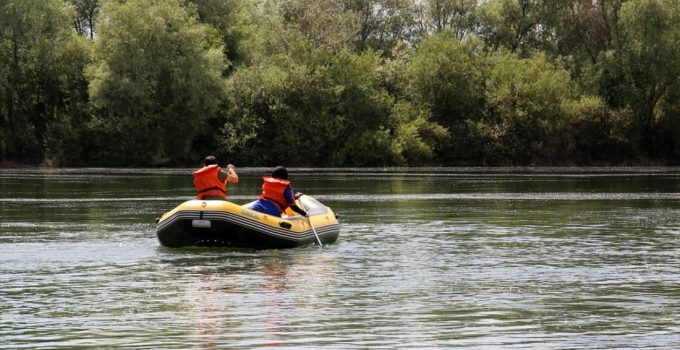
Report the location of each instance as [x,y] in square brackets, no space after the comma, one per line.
[340,82]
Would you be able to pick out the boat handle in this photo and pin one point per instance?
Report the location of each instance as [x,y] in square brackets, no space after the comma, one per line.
[285,224]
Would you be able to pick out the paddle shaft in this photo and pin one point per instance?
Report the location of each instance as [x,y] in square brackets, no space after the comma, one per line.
[309,220]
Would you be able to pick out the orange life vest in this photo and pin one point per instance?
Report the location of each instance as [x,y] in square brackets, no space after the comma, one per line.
[207,182]
[274,189]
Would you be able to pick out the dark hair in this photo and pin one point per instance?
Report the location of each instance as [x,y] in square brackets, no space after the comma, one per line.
[280,173]
[209,160]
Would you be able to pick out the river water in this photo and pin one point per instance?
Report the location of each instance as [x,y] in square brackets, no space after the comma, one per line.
[427,258]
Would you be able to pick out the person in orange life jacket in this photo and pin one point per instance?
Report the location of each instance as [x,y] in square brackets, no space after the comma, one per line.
[277,195]
[211,181]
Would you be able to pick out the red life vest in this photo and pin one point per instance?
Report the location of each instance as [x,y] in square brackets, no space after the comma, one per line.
[207,182]
[274,189]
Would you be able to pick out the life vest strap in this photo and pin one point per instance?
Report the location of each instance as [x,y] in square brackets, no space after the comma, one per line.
[212,188]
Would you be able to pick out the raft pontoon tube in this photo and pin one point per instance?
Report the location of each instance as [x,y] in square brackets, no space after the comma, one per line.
[217,223]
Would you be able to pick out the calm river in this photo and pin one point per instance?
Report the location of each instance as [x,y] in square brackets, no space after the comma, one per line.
[427,258]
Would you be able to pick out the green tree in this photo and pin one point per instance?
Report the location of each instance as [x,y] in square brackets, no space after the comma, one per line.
[309,101]
[317,110]
[582,27]
[85,22]
[646,61]
[456,16]
[533,110]
[413,136]
[232,19]
[324,23]
[156,78]
[667,135]
[523,26]
[41,81]
[383,24]
[444,73]
[444,77]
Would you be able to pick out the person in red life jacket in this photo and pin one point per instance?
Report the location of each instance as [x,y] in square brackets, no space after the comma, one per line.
[211,181]
[277,195]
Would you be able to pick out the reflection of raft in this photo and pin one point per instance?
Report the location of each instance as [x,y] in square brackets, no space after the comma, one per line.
[225,224]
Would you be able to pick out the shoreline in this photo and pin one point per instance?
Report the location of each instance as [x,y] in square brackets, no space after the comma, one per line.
[373,169]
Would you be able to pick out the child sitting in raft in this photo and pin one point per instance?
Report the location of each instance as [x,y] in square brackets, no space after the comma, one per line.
[277,195]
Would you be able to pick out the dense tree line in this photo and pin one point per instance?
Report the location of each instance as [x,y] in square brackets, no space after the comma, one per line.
[340,82]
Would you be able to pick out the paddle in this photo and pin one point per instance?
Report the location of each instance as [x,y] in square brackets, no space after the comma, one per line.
[309,220]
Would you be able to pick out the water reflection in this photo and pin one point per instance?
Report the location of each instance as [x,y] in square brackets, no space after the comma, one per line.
[248,294]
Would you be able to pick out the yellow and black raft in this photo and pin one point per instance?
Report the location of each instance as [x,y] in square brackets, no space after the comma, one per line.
[217,223]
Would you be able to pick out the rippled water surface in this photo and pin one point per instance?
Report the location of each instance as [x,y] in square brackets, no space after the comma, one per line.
[427,258]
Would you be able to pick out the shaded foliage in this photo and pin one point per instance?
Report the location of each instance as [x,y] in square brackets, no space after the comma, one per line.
[41,85]
[155,78]
[85,21]
[340,82]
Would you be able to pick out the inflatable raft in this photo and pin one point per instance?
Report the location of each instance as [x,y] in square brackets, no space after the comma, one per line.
[219,223]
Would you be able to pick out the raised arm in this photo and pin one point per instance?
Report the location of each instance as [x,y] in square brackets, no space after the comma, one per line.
[232,176]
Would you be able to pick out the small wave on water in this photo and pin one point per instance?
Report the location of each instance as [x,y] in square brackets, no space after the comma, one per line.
[523,196]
